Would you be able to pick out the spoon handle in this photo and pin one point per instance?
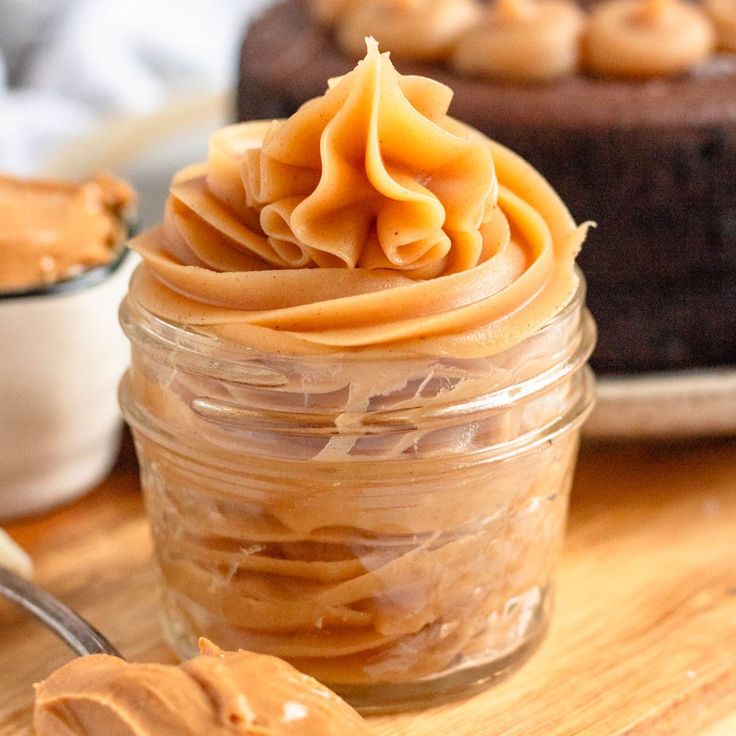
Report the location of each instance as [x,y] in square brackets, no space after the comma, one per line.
[81,636]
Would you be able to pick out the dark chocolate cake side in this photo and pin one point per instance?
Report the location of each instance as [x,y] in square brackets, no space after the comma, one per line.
[653,163]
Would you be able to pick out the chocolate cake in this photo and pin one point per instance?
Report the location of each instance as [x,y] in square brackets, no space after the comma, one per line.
[653,162]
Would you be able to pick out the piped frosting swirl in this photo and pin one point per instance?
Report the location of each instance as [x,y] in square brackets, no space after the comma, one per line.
[369,219]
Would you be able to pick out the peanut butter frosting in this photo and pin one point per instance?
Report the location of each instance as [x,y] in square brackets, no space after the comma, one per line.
[723,15]
[647,38]
[523,40]
[216,693]
[329,11]
[412,29]
[534,41]
[369,219]
[53,230]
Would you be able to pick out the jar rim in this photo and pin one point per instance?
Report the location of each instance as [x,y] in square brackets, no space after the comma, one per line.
[261,371]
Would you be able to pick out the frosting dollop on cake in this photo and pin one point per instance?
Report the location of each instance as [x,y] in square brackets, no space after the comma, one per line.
[647,38]
[413,29]
[523,41]
[217,693]
[370,218]
[535,41]
[329,11]
[723,15]
[52,230]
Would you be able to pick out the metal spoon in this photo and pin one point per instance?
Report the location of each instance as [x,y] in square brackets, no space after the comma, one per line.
[81,636]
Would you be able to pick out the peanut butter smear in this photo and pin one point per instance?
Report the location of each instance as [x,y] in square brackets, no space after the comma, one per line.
[217,693]
[369,219]
[53,230]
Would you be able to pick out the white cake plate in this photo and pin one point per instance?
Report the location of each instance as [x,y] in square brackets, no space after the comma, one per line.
[678,404]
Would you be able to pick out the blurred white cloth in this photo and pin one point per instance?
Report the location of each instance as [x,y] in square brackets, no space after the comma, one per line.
[67,64]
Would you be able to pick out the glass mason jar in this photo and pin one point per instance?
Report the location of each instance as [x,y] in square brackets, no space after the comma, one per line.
[387,524]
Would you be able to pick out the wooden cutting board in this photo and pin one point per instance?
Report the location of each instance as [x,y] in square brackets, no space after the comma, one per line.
[643,641]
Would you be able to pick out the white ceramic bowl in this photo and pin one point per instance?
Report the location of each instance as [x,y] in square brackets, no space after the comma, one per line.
[62,356]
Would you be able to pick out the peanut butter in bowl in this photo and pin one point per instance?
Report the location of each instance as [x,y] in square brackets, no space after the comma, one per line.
[55,230]
[64,267]
[358,376]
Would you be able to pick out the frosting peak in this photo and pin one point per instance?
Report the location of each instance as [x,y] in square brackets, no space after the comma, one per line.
[369,218]
[365,177]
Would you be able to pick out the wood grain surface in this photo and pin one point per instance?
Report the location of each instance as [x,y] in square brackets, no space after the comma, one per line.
[643,641]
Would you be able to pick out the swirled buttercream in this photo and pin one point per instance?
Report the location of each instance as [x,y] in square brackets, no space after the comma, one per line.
[217,693]
[370,218]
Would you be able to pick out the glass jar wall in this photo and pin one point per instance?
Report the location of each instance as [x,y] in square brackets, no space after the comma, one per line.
[387,523]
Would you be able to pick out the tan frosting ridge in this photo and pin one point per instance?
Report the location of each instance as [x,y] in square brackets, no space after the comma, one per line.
[647,38]
[53,230]
[411,29]
[523,40]
[217,693]
[370,218]
[723,15]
